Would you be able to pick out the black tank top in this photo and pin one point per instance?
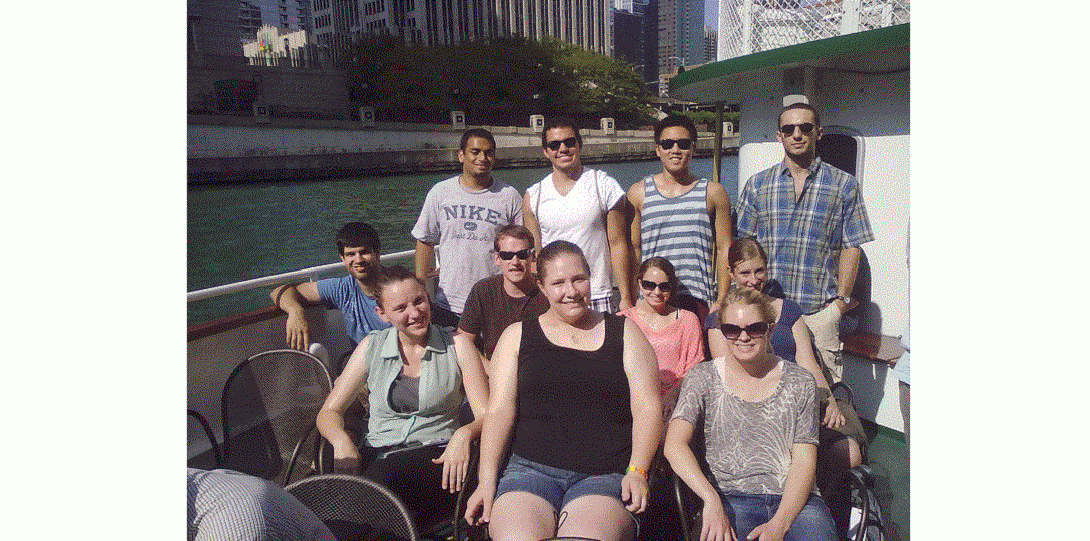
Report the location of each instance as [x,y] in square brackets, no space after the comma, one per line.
[573,406]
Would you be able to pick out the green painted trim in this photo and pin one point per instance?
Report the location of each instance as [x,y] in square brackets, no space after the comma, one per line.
[879,38]
[884,430]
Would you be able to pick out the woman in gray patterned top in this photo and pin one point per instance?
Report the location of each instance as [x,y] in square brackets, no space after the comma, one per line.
[760,421]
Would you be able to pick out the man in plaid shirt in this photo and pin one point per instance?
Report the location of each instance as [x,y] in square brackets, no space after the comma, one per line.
[811,220]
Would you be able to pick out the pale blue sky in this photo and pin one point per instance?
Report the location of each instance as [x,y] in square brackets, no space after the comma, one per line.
[711,13]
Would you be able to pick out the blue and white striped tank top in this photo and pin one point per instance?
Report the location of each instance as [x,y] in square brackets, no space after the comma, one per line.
[680,230]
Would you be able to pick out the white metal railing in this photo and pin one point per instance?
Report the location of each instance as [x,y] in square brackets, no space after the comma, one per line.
[311,272]
[752,26]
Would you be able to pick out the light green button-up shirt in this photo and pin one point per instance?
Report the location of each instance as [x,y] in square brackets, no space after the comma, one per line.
[440,390]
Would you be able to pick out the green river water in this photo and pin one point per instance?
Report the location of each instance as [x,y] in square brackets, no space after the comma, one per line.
[243,231]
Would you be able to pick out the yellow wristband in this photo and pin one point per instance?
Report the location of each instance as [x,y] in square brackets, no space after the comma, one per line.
[637,470]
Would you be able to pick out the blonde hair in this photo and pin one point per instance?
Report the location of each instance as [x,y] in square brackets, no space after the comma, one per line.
[749,297]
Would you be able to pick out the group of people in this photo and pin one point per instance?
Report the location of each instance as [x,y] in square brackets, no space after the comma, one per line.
[572,385]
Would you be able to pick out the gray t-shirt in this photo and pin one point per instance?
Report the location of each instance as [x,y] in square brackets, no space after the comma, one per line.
[749,443]
[463,223]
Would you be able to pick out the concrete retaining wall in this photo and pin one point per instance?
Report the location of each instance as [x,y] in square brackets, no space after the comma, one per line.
[217,137]
[347,164]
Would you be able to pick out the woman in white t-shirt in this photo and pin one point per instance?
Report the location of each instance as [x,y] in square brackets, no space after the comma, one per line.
[585,207]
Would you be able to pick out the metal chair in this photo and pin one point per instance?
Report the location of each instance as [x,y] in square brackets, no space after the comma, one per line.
[356,508]
[200,461]
[864,502]
[462,530]
[269,404]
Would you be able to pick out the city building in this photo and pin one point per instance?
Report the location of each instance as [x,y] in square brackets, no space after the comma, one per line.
[286,14]
[212,31]
[635,37]
[274,42]
[709,45]
[681,34]
[586,23]
[220,80]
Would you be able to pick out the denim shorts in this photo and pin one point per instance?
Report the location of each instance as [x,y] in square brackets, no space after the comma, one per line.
[555,485]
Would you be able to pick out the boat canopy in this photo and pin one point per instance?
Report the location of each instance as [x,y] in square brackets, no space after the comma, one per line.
[882,50]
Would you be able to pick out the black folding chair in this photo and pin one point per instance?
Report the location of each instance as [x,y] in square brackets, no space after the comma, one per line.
[356,508]
[864,500]
[871,524]
[462,530]
[270,403]
[201,461]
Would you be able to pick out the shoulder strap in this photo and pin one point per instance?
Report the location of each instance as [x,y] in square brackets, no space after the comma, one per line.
[537,206]
[615,331]
[597,194]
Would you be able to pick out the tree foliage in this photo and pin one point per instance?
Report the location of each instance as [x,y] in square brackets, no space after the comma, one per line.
[500,81]
[708,118]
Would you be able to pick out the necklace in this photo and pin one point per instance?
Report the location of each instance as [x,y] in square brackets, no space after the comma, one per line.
[575,333]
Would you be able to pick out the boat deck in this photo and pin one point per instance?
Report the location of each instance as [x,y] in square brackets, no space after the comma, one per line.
[888,455]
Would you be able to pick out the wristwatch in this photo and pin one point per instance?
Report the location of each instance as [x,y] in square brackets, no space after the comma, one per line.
[847,300]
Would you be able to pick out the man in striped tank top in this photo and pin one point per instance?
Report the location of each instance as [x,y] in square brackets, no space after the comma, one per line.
[682,218]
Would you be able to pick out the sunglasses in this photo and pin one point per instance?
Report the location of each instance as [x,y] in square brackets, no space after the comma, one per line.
[569,142]
[521,254]
[683,144]
[789,129]
[754,330]
[650,286]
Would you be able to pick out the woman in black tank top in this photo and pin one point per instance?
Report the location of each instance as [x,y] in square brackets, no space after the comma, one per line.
[575,393]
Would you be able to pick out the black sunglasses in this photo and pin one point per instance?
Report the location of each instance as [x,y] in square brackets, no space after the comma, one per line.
[521,254]
[789,129]
[754,330]
[683,144]
[569,142]
[650,286]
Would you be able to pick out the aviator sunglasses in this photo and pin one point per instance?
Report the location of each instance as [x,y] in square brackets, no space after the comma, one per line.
[754,330]
[789,129]
[569,142]
[683,144]
[521,254]
[650,286]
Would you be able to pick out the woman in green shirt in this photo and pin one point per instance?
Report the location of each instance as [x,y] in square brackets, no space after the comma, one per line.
[413,383]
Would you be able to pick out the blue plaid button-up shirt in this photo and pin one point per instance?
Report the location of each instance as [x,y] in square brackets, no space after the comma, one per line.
[803,238]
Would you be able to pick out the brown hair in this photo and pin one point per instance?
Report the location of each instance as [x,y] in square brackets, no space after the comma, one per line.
[744,249]
[662,264]
[554,249]
[393,275]
[514,231]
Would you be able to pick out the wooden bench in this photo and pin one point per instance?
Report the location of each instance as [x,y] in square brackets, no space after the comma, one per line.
[873,347]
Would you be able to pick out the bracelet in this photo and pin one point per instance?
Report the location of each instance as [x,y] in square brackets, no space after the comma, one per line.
[637,470]
[824,395]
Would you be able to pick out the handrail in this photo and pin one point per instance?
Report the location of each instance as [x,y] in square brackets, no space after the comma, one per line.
[309,272]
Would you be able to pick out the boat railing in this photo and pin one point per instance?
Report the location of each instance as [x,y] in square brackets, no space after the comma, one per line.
[311,273]
[753,26]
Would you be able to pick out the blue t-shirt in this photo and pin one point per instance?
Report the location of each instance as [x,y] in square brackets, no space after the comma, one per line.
[357,308]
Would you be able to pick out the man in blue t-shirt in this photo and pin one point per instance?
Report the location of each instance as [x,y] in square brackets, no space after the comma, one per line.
[353,295]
